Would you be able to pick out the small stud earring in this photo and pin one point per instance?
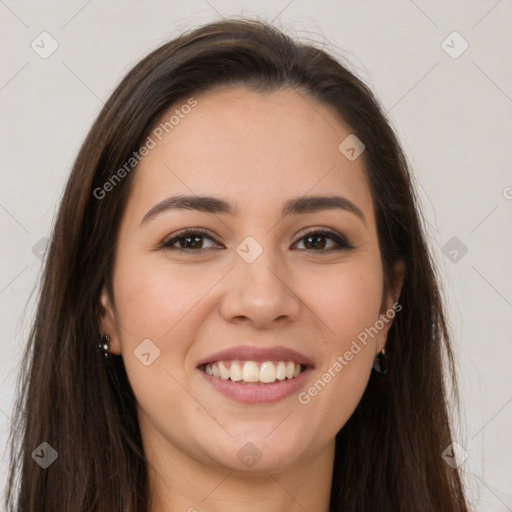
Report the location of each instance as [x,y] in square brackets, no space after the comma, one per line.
[379,363]
[104,346]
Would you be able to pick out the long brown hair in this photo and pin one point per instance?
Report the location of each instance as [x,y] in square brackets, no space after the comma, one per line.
[388,454]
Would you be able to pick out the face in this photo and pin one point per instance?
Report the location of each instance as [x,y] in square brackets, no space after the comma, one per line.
[251,293]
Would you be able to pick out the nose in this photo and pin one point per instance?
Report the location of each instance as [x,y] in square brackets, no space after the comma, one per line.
[260,293]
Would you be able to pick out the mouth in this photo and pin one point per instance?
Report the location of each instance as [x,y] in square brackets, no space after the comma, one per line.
[256,375]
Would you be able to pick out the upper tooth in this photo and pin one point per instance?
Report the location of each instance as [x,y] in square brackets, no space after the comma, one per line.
[224,372]
[290,369]
[250,372]
[267,372]
[281,371]
[235,372]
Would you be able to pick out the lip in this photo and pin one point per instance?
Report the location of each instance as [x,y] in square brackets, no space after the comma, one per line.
[258,354]
[251,394]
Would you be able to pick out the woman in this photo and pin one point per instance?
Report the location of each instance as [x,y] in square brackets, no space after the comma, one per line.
[238,310]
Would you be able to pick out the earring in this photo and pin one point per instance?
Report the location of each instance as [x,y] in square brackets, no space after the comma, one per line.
[104,346]
[379,363]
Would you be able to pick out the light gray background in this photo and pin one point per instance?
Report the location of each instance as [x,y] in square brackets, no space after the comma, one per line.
[453,117]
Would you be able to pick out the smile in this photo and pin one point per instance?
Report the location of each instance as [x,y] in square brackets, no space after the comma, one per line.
[250,374]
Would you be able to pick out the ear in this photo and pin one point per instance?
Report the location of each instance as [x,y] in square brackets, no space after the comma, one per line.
[390,306]
[107,321]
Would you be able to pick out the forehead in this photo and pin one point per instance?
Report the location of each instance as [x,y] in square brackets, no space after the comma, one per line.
[249,146]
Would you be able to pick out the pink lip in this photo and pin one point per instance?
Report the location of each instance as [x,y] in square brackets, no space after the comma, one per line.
[258,393]
[258,354]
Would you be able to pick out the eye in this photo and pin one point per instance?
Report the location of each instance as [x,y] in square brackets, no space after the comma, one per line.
[191,240]
[314,240]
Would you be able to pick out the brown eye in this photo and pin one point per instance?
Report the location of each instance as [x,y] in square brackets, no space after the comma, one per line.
[316,241]
[189,240]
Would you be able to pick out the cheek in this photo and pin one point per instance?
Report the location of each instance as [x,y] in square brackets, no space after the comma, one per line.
[347,301]
[168,305]
[348,305]
[162,304]
[153,299]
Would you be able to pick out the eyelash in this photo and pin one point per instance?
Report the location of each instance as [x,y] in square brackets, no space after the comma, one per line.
[343,244]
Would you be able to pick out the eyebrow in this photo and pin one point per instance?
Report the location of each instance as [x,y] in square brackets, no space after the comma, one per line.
[214,205]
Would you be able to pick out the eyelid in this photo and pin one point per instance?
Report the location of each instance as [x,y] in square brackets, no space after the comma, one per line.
[323,230]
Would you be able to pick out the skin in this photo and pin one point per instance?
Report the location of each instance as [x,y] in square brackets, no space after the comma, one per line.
[256,151]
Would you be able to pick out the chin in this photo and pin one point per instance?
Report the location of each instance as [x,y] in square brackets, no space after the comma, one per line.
[261,450]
